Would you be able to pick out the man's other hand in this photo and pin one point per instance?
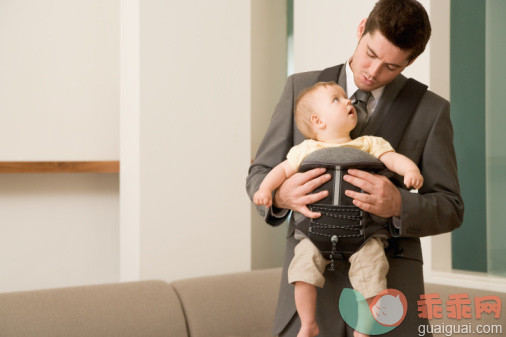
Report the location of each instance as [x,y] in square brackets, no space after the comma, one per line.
[295,192]
[382,198]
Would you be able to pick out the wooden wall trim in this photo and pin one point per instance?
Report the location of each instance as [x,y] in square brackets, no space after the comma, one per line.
[60,167]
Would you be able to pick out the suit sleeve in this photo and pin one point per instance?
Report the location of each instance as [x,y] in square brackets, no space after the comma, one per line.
[273,149]
[438,207]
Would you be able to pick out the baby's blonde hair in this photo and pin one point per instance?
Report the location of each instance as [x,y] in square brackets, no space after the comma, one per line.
[304,109]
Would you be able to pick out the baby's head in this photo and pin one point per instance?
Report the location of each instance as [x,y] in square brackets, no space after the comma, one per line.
[323,112]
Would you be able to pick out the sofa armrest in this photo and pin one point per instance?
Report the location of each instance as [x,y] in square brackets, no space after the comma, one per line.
[147,308]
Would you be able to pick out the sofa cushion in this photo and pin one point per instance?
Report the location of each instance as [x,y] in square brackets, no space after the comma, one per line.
[241,304]
[147,308]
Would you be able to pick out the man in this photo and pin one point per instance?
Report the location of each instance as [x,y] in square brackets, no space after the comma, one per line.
[390,39]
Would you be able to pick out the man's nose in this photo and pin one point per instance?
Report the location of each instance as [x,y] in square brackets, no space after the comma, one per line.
[374,69]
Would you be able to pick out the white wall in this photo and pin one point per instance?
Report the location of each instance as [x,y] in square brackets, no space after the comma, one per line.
[268,77]
[195,86]
[58,229]
[59,91]
[438,249]
[185,140]
[59,80]
[130,140]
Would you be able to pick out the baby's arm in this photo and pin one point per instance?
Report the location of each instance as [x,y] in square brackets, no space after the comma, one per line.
[271,182]
[404,166]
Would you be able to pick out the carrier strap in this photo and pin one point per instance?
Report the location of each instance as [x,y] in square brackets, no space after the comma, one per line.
[401,111]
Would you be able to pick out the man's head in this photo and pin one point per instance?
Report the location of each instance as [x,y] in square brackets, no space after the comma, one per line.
[391,38]
[324,112]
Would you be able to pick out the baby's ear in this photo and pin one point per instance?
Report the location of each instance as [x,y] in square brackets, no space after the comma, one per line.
[317,122]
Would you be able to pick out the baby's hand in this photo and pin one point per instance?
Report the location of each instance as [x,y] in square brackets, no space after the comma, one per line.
[413,179]
[263,198]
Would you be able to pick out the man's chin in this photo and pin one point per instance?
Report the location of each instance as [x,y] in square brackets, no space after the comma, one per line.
[368,87]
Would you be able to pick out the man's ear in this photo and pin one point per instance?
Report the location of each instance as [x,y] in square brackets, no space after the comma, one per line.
[361,28]
[413,60]
[317,122]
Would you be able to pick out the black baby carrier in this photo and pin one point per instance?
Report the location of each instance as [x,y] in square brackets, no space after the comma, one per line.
[343,228]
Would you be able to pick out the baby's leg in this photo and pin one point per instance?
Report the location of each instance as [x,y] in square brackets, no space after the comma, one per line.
[358,333]
[368,271]
[305,301]
[369,268]
[306,272]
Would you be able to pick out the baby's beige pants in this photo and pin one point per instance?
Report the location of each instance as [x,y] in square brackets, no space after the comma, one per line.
[368,266]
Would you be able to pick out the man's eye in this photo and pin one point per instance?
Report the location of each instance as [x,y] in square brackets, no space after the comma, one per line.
[370,55]
[391,68]
[336,99]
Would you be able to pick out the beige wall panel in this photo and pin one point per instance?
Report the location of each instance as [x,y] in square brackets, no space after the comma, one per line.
[195,87]
[59,80]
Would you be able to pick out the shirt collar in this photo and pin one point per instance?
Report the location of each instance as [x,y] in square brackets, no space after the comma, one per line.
[351,87]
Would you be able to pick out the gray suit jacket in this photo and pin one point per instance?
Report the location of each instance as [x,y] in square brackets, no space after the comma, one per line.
[428,141]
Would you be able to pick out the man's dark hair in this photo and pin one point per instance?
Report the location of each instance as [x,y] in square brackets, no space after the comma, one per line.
[405,23]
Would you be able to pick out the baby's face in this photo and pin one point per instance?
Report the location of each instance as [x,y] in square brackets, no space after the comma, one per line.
[335,109]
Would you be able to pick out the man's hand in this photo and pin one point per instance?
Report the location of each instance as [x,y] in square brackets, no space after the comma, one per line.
[383,198]
[294,192]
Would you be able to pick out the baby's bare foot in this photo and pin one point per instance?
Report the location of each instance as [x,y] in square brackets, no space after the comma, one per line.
[309,330]
[359,334]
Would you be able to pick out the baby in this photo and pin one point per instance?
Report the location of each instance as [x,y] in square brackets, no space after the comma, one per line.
[326,117]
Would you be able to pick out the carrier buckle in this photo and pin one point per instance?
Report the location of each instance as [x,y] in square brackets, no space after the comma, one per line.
[334,239]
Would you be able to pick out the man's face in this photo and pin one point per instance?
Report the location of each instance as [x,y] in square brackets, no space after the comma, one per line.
[376,61]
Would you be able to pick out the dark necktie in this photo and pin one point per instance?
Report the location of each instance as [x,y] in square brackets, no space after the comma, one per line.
[360,104]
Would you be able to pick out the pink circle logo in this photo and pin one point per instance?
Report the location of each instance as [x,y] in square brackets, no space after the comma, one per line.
[389,307]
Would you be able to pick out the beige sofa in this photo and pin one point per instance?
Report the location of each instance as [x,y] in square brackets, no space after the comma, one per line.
[241,305]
